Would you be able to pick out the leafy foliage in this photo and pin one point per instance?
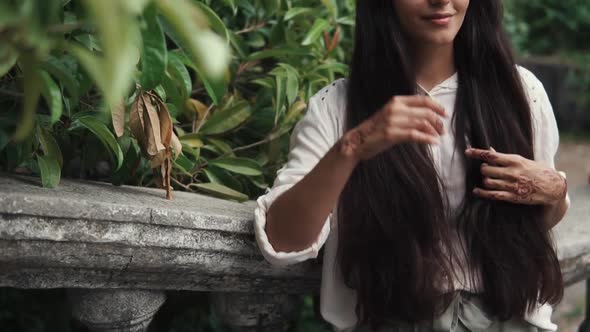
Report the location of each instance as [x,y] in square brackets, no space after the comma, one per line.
[228,97]
[549,27]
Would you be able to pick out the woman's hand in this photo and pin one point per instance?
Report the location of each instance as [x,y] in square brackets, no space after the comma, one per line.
[513,178]
[401,119]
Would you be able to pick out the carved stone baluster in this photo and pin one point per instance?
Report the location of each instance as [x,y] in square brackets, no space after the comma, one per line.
[254,312]
[115,310]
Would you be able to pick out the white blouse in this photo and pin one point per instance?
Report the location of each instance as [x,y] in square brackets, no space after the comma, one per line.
[322,126]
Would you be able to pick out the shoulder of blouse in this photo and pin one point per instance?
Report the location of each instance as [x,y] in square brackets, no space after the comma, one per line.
[545,130]
[331,101]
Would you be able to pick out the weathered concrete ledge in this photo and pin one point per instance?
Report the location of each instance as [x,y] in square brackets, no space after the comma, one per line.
[100,238]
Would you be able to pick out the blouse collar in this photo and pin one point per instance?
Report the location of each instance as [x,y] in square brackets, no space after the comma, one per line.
[450,83]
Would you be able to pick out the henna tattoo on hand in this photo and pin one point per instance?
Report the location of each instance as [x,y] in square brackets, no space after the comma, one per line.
[525,189]
[353,141]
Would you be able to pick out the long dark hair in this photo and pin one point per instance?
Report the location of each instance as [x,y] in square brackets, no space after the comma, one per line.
[395,235]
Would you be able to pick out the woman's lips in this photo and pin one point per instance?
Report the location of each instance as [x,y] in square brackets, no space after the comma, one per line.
[439,19]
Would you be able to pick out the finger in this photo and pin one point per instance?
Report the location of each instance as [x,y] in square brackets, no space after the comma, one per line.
[423,101]
[496,172]
[422,113]
[499,184]
[502,196]
[415,135]
[417,123]
[495,195]
[491,156]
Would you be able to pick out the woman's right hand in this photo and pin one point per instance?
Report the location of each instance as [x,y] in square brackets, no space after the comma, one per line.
[402,119]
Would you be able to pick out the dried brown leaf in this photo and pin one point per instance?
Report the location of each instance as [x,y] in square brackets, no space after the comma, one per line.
[166,128]
[176,145]
[158,159]
[118,118]
[152,125]
[136,124]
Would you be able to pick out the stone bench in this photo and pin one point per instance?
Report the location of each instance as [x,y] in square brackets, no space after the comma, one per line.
[119,249]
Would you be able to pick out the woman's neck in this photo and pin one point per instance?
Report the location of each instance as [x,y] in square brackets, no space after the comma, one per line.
[433,64]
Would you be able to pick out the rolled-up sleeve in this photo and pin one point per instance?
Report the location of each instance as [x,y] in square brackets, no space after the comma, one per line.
[545,130]
[310,140]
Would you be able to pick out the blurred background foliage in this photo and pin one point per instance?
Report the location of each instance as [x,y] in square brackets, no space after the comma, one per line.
[188,95]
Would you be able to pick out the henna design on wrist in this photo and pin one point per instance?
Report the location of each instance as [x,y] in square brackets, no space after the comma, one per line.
[353,141]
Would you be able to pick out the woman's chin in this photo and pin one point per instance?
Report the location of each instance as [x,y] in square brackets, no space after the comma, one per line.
[441,38]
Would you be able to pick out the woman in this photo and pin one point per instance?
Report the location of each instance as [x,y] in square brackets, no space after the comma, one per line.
[429,176]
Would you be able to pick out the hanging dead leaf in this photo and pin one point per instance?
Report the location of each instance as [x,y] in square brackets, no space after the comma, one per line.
[169,138]
[165,125]
[118,118]
[176,145]
[152,125]
[136,124]
[158,159]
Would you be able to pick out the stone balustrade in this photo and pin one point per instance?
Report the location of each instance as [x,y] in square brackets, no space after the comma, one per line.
[118,250]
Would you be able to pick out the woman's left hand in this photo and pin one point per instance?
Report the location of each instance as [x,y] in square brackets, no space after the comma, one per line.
[513,178]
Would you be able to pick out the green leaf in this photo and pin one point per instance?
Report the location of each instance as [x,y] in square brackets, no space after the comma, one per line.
[345,20]
[221,145]
[216,87]
[132,156]
[210,53]
[172,92]
[194,140]
[8,57]
[49,144]
[232,5]
[179,72]
[238,165]
[56,68]
[50,171]
[220,190]
[320,25]
[295,11]
[91,63]
[292,87]
[52,95]
[184,164]
[120,38]
[331,6]
[223,121]
[154,56]
[105,136]
[258,181]
[215,21]
[32,87]
[221,176]
[280,93]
